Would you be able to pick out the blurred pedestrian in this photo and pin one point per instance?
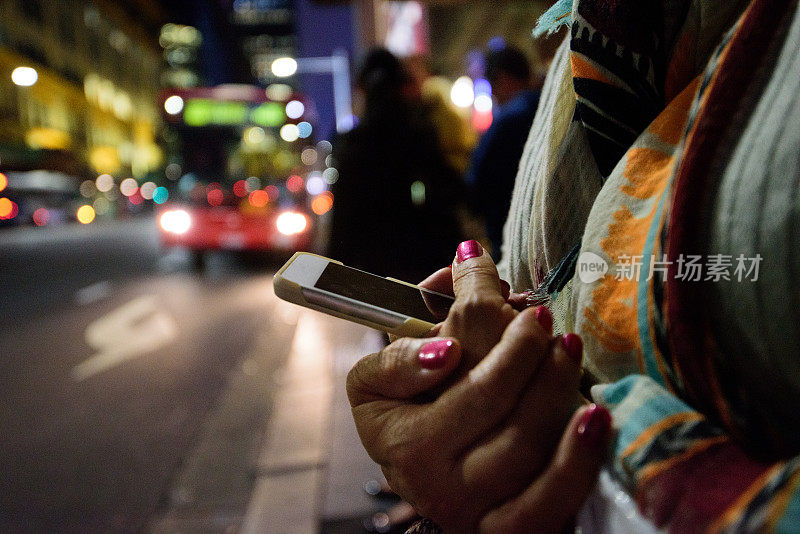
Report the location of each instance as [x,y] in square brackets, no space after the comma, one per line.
[456,137]
[496,159]
[396,198]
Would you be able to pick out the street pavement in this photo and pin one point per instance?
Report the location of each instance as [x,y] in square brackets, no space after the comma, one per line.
[137,395]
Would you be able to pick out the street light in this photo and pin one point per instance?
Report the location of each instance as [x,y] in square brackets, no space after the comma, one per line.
[24,76]
[337,66]
[284,67]
[173,105]
[295,109]
[463,94]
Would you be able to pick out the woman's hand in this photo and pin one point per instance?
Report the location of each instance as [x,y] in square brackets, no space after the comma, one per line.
[555,496]
[480,312]
[469,457]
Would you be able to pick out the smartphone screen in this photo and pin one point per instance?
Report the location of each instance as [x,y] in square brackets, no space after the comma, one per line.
[371,289]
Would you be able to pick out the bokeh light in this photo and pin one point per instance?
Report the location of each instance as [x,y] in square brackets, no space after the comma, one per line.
[304,130]
[481,121]
[295,183]
[325,146]
[291,223]
[463,94]
[330,175]
[173,105]
[101,206]
[8,208]
[240,188]
[176,221]
[160,195]
[483,103]
[173,171]
[309,156]
[187,182]
[273,192]
[496,43]
[418,193]
[147,190]
[315,183]
[284,67]
[254,135]
[323,203]
[295,109]
[128,187]
[41,217]
[85,214]
[104,183]
[279,91]
[483,87]
[259,198]
[215,196]
[136,198]
[3,181]
[24,76]
[87,188]
[290,133]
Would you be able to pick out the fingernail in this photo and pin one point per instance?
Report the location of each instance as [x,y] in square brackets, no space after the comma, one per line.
[468,249]
[594,425]
[573,346]
[545,318]
[433,355]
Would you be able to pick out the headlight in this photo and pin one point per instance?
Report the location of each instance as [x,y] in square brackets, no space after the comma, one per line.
[291,223]
[176,221]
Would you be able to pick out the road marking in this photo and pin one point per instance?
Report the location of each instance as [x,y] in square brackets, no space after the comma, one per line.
[130,331]
[93,293]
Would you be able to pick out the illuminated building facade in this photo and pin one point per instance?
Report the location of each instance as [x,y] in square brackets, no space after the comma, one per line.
[93,106]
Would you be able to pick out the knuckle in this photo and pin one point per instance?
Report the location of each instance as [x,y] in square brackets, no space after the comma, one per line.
[527,336]
[478,306]
[393,359]
[474,268]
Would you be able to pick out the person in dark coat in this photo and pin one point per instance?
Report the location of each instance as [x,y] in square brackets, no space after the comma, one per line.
[396,199]
[495,160]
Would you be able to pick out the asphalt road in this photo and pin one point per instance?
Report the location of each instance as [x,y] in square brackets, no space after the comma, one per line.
[112,354]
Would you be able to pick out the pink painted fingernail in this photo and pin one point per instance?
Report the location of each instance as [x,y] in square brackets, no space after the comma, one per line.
[468,249]
[573,346]
[545,318]
[594,425]
[433,355]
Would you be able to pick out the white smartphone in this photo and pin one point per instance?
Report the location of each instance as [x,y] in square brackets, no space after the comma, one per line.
[386,304]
